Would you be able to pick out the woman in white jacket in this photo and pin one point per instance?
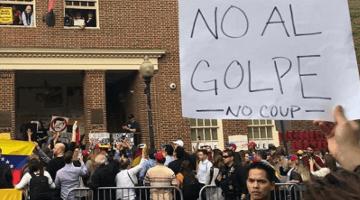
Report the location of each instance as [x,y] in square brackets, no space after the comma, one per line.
[127,178]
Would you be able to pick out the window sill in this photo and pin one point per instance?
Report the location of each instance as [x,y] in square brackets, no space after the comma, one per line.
[74,27]
[16,26]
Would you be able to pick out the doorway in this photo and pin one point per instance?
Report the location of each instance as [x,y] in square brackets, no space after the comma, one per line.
[43,94]
[118,90]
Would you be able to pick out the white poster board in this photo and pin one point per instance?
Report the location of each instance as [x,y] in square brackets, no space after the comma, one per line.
[267,59]
[100,139]
[241,141]
[120,137]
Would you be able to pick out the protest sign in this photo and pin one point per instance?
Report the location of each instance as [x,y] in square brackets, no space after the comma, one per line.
[6,15]
[59,124]
[100,139]
[267,59]
[241,141]
[120,137]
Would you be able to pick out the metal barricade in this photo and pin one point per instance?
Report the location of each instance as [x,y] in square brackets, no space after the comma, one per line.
[138,193]
[283,191]
[211,192]
[82,193]
[288,191]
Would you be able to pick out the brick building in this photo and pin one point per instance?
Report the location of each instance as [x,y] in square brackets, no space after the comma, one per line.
[89,71]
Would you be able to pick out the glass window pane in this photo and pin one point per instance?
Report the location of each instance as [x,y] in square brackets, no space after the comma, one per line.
[256,133]
[193,135]
[214,122]
[214,134]
[207,134]
[262,122]
[200,133]
[269,132]
[268,121]
[192,122]
[200,122]
[263,132]
[256,122]
[250,131]
[207,122]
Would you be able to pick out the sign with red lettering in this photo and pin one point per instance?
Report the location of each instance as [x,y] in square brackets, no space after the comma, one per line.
[267,59]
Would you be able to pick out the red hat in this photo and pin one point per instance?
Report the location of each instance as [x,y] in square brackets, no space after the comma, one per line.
[293,157]
[251,144]
[85,153]
[159,156]
[232,146]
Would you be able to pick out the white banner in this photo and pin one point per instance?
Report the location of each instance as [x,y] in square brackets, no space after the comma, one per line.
[267,59]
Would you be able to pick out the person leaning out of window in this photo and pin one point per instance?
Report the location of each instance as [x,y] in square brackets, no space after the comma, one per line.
[27,16]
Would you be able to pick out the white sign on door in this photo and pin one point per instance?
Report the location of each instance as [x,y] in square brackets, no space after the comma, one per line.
[267,59]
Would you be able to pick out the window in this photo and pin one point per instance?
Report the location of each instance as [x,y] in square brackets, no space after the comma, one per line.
[204,129]
[260,129]
[81,13]
[18,13]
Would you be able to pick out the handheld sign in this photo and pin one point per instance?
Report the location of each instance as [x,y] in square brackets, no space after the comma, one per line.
[100,139]
[59,124]
[267,59]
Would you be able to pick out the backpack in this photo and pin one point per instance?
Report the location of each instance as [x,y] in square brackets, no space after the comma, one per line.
[211,175]
[39,187]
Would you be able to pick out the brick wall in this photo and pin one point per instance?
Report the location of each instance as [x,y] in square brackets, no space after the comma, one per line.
[234,127]
[7,97]
[302,125]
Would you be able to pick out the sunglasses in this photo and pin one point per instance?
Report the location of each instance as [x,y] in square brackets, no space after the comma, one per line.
[226,156]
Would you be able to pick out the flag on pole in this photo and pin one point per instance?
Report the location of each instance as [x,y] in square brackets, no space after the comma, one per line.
[51,5]
[15,154]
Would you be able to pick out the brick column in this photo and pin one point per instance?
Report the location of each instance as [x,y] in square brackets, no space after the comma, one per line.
[7,102]
[95,101]
[234,127]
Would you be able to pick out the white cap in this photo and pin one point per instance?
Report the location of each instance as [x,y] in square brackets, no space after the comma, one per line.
[179,143]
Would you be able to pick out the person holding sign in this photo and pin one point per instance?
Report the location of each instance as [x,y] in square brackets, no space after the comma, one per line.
[343,142]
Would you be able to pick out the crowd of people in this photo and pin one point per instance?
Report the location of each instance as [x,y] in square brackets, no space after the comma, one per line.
[52,173]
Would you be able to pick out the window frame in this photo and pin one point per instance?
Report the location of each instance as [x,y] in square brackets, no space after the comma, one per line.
[204,127]
[17,2]
[84,8]
[257,124]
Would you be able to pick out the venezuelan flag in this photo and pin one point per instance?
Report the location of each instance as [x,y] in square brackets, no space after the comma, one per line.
[15,154]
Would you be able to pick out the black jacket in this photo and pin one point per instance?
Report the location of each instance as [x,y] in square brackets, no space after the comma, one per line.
[104,176]
[55,165]
[232,181]
[5,176]
[175,165]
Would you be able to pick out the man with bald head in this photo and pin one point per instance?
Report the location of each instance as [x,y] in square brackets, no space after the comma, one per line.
[58,161]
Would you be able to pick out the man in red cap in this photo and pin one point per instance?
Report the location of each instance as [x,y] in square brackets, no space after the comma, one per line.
[160,176]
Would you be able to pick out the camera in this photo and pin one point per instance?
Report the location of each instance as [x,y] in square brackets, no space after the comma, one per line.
[172,86]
